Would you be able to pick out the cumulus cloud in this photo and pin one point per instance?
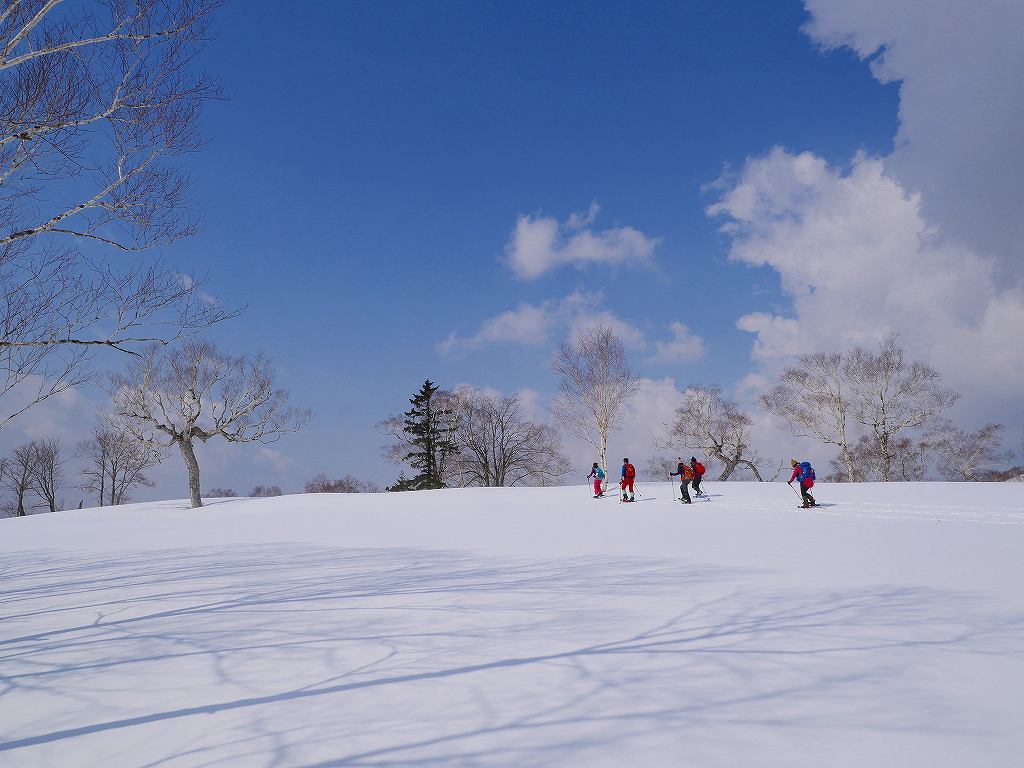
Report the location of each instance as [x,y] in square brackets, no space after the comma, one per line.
[959,142]
[683,347]
[541,243]
[538,324]
[858,258]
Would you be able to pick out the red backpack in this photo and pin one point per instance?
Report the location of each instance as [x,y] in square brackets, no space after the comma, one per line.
[630,472]
[699,469]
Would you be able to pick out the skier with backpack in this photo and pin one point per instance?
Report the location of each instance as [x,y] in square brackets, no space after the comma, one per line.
[804,472]
[628,475]
[698,475]
[598,474]
[685,473]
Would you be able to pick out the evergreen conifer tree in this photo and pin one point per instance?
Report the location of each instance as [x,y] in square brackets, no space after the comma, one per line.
[401,484]
[425,426]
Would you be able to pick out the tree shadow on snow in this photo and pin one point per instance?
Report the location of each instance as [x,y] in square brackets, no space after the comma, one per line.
[548,651]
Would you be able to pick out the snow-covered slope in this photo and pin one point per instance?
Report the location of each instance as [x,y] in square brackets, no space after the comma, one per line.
[520,627]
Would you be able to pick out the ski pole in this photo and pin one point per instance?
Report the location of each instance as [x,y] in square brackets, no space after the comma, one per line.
[672,487]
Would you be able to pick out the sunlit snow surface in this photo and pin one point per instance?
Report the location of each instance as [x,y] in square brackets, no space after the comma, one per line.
[532,627]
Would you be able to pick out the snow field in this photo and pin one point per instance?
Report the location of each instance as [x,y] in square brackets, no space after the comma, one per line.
[520,627]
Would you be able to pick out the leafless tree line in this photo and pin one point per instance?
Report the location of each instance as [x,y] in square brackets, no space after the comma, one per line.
[111,465]
[321,483]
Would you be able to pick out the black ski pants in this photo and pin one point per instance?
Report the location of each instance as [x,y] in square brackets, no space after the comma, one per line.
[696,485]
[683,490]
[805,494]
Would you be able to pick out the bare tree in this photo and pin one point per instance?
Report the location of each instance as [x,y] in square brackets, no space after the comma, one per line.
[17,478]
[264,491]
[813,400]
[47,471]
[965,456]
[907,461]
[708,422]
[892,395]
[221,493]
[499,446]
[114,463]
[97,102]
[595,383]
[196,392]
[321,483]
[660,467]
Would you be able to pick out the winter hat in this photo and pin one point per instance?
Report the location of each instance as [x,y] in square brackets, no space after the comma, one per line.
[793,462]
[626,461]
[693,459]
[595,463]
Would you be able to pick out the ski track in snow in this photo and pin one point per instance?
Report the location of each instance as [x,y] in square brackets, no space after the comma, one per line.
[522,627]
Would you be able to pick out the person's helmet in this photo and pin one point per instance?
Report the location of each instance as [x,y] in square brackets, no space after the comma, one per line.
[793,462]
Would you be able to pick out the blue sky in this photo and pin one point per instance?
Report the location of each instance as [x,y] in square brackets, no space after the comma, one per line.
[363,183]
[361,186]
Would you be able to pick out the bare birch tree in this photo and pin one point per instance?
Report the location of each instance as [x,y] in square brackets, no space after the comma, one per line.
[195,392]
[965,456]
[812,399]
[17,478]
[595,383]
[114,463]
[497,445]
[709,423]
[891,395]
[47,471]
[97,103]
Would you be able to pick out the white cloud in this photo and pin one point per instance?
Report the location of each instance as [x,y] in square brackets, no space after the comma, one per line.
[540,243]
[536,325]
[684,346]
[274,459]
[959,142]
[68,415]
[858,258]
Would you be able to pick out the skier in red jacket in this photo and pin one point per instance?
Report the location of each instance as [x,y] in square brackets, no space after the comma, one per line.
[698,475]
[628,475]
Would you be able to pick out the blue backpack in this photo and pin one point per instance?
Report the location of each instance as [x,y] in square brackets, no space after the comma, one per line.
[806,471]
